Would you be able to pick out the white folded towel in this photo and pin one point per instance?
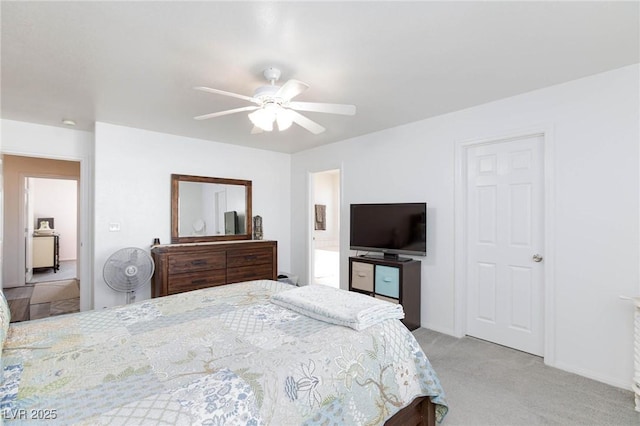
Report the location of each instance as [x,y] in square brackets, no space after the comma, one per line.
[337,306]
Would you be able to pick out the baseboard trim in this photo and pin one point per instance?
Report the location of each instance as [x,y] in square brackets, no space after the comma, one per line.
[595,376]
[443,330]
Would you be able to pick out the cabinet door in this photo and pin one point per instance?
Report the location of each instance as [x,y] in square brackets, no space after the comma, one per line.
[43,252]
[388,281]
[362,276]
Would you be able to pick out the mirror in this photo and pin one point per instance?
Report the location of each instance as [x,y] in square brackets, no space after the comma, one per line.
[209,209]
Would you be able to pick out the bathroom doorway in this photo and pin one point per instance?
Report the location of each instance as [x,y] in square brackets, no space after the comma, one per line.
[325,224]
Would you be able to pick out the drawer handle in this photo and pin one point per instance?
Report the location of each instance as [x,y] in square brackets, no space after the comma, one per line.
[251,257]
[198,262]
[362,274]
[198,282]
[386,279]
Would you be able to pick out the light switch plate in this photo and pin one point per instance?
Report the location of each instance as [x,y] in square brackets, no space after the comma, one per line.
[114,227]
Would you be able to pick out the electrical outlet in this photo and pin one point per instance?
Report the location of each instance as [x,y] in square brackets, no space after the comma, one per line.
[114,227]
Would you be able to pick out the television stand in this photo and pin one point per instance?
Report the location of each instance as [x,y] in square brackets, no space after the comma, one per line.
[396,281]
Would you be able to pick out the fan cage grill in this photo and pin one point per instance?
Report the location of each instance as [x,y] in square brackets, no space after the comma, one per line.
[128,269]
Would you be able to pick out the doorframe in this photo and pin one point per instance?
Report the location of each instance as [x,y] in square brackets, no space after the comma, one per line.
[311,218]
[85,222]
[460,233]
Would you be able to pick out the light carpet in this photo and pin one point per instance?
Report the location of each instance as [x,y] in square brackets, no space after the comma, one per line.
[488,384]
[53,291]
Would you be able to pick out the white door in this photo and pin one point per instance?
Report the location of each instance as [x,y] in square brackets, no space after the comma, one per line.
[504,198]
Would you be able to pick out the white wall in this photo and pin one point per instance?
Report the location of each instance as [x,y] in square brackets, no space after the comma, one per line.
[596,221]
[132,187]
[58,198]
[35,140]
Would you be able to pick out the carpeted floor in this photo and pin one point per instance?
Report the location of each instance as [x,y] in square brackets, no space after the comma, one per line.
[488,384]
[68,270]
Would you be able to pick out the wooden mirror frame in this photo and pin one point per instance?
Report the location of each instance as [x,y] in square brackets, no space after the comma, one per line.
[175,220]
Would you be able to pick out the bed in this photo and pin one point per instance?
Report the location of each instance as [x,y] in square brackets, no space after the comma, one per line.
[224,355]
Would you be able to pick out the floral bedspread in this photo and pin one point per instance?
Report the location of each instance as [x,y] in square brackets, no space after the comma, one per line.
[219,356]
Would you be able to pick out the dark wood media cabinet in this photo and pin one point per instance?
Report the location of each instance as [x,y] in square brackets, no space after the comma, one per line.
[395,281]
[192,266]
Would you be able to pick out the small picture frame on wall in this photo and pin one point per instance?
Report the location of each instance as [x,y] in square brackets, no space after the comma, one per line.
[320,217]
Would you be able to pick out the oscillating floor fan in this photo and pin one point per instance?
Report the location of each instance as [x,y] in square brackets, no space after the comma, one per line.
[127,270]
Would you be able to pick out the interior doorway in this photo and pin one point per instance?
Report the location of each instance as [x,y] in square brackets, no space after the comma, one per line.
[41,236]
[325,228]
[51,254]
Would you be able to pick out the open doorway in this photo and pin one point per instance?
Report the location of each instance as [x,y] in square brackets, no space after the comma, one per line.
[52,240]
[325,223]
[41,224]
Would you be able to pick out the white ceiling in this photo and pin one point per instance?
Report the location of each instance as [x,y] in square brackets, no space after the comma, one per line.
[136,63]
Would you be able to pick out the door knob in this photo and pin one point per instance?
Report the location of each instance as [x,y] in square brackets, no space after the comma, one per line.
[537,258]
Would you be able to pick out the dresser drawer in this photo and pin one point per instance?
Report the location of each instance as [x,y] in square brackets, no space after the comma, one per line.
[196,280]
[248,273]
[237,258]
[187,262]
[387,281]
[362,276]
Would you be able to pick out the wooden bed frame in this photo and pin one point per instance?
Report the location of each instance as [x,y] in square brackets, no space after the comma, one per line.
[421,412]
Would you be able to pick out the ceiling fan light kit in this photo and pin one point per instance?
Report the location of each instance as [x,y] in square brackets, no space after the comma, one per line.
[274,105]
[270,113]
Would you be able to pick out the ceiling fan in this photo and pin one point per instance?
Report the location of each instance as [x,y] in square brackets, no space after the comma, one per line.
[274,104]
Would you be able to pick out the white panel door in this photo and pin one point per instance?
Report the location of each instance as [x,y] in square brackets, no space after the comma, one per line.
[505,232]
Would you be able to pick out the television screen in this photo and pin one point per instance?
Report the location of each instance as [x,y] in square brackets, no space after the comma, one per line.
[399,228]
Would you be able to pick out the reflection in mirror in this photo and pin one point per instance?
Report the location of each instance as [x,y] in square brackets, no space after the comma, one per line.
[210,209]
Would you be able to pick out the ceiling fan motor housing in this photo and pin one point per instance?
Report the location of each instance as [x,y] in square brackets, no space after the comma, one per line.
[267,93]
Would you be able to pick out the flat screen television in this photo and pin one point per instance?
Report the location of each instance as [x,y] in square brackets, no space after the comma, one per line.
[391,229]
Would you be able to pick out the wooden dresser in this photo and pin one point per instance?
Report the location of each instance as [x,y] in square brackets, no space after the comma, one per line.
[186,267]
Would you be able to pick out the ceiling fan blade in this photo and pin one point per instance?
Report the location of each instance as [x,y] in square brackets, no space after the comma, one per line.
[227,112]
[256,130]
[291,89]
[222,92]
[323,107]
[303,121]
